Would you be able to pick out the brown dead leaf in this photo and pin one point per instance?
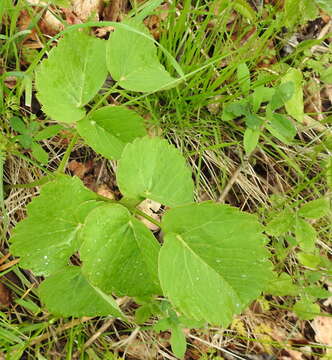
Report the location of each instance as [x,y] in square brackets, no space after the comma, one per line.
[114,9]
[327,92]
[71,17]
[313,102]
[103,31]
[50,25]
[10,81]
[87,9]
[153,21]
[80,169]
[5,296]
[150,208]
[322,326]
[105,191]
[141,351]
[292,354]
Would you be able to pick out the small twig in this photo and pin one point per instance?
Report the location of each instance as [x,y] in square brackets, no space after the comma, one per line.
[4,258]
[233,179]
[100,171]
[218,347]
[96,335]
[9,264]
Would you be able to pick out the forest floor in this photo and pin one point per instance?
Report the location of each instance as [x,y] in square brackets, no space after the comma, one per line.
[289,167]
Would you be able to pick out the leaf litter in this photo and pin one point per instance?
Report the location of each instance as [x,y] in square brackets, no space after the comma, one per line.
[321,325]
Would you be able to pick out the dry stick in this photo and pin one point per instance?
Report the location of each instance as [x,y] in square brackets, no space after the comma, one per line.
[103,328]
[4,258]
[9,264]
[95,336]
[233,179]
[218,347]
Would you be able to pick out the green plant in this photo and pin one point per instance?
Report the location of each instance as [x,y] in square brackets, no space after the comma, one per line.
[211,262]
[288,94]
[30,134]
[295,234]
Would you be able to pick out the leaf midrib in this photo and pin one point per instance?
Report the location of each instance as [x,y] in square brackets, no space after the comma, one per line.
[184,244]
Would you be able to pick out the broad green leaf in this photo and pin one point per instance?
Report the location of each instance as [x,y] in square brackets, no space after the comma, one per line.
[317,292]
[299,11]
[282,286]
[282,128]
[48,132]
[132,59]
[119,253]
[315,209]
[326,75]
[305,235]
[47,238]
[68,293]
[18,125]
[243,77]
[143,313]
[235,109]
[294,106]
[281,223]
[261,94]
[306,310]
[178,341]
[110,128]
[33,128]
[309,260]
[190,323]
[71,76]
[250,140]
[153,169]
[163,325]
[24,140]
[213,262]
[283,93]
[309,9]
[325,5]
[253,122]
[39,153]
[238,108]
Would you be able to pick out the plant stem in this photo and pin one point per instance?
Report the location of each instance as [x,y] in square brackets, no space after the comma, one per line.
[41,181]
[147,217]
[132,208]
[64,161]
[26,158]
